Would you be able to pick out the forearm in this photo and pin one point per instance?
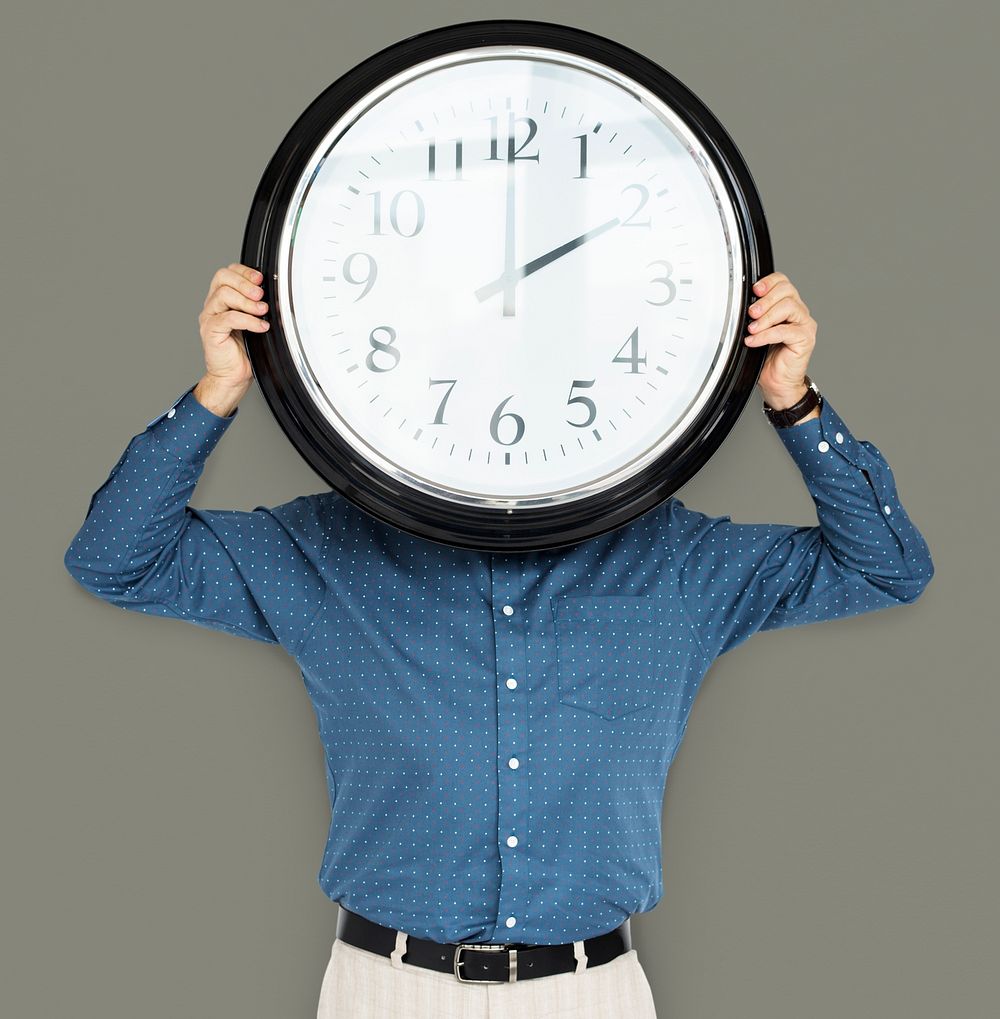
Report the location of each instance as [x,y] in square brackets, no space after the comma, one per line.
[863,522]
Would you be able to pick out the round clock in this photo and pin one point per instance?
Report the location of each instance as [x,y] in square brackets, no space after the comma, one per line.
[507,265]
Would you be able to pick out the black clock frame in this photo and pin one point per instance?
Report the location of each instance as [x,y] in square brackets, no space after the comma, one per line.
[393,501]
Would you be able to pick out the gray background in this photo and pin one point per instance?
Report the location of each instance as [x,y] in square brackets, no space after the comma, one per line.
[830,823]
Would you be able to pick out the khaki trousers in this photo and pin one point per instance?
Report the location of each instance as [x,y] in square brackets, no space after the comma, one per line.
[359,984]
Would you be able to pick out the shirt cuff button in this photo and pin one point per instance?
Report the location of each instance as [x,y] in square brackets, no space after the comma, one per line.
[839,436]
[171,412]
[823,446]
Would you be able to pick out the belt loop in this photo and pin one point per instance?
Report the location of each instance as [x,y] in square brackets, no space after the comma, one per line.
[396,957]
[580,955]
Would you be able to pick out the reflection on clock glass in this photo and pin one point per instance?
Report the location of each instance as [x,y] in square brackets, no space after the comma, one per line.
[510,274]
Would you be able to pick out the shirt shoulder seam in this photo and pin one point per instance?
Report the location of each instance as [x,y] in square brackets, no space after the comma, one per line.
[675,579]
[308,630]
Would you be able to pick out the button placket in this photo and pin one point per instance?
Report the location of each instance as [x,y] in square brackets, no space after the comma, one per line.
[512,728]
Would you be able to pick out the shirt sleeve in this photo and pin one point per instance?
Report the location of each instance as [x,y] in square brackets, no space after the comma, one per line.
[144,548]
[865,553]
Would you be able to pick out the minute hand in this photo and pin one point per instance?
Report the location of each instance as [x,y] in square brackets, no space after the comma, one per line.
[543,260]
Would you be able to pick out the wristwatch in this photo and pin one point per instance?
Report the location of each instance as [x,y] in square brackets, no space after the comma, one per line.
[797,411]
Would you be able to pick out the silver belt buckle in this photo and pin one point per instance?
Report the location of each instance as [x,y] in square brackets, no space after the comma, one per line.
[485,948]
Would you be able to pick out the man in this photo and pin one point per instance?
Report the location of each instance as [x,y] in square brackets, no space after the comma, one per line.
[498,727]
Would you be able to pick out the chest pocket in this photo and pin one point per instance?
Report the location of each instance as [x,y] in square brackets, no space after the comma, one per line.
[608,652]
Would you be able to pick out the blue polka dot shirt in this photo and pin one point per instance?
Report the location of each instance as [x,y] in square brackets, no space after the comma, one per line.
[497,728]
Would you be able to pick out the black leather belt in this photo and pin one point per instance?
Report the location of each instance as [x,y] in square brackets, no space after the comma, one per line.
[483,962]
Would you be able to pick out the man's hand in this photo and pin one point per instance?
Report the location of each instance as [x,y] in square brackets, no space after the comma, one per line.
[782,319]
[233,304]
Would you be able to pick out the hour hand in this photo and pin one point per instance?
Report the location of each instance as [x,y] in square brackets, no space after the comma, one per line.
[508,279]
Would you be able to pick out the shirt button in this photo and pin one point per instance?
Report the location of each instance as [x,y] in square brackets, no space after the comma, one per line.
[508,610]
[171,412]
[511,920]
[513,762]
[511,841]
[823,446]
[511,683]
[839,436]
[888,509]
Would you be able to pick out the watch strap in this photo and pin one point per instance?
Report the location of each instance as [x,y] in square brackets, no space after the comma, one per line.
[790,415]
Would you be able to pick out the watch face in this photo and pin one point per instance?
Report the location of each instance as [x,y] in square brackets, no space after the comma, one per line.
[509,267]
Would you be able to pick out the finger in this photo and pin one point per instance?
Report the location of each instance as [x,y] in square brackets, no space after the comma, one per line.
[239,277]
[788,333]
[247,271]
[782,289]
[225,322]
[764,284]
[787,309]
[226,297]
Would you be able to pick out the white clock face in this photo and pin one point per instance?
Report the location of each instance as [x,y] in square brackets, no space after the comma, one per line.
[510,277]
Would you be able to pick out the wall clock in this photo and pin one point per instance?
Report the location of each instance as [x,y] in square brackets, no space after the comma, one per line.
[507,266]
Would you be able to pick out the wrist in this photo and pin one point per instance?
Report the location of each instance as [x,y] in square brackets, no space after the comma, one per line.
[218,396]
[783,399]
[786,407]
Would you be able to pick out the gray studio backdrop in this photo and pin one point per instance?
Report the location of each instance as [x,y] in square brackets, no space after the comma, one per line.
[830,823]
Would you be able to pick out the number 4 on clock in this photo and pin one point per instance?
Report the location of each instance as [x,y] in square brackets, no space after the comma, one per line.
[633,358]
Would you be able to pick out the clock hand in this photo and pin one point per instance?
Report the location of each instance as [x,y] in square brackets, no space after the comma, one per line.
[507,281]
[508,243]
